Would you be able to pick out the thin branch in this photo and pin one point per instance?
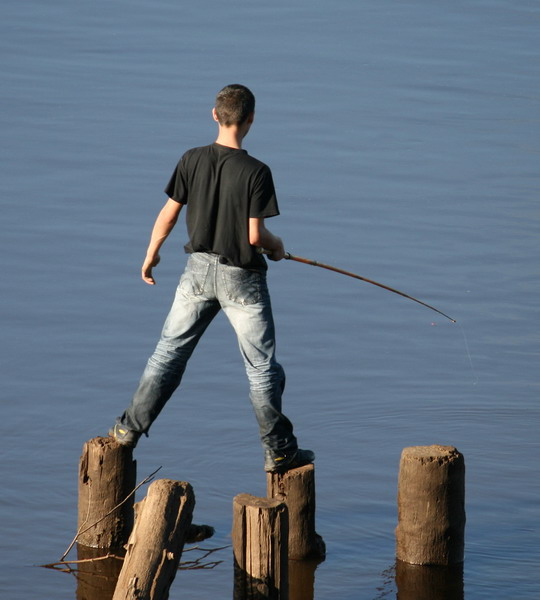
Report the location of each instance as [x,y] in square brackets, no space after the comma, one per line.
[207,550]
[191,565]
[80,531]
[82,560]
[194,566]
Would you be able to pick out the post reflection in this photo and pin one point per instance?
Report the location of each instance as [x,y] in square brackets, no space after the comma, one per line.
[96,579]
[417,582]
[301,583]
[302,579]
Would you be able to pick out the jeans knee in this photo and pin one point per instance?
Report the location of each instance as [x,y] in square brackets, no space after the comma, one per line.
[168,357]
[268,382]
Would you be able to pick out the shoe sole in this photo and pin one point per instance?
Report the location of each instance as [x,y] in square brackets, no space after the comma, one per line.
[294,465]
[121,442]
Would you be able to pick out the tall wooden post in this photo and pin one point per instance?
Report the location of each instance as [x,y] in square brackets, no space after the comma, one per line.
[297,489]
[431,506]
[260,531]
[107,474]
[155,546]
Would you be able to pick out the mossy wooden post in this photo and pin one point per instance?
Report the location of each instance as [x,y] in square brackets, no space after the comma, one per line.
[297,489]
[260,532]
[107,474]
[155,546]
[431,506]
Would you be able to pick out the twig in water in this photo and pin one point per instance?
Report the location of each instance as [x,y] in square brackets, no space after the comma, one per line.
[189,565]
[77,562]
[192,565]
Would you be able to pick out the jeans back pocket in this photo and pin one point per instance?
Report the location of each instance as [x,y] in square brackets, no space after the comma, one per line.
[193,280]
[241,285]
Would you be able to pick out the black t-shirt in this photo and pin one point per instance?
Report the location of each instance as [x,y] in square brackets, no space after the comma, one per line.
[223,188]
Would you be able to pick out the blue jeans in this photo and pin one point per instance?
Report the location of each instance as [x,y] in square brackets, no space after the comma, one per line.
[205,287]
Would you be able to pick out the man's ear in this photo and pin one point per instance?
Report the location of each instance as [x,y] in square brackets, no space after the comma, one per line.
[214,115]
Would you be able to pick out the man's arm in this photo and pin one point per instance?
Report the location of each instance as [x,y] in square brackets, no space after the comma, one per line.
[165,222]
[262,237]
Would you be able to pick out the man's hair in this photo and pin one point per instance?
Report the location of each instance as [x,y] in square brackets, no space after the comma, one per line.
[234,104]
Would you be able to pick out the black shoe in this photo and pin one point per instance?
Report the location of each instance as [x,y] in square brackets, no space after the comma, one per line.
[276,462]
[124,436]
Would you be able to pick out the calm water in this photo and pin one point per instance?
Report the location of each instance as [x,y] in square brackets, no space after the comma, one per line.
[404,140]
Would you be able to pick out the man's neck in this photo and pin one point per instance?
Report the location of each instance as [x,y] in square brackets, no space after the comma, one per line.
[233,135]
[230,136]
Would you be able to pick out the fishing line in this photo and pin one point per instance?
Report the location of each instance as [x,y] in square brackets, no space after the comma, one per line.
[469,354]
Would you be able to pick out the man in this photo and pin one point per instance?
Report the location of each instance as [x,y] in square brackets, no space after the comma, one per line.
[228,195]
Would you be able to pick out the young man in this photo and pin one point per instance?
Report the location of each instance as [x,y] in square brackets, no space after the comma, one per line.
[228,195]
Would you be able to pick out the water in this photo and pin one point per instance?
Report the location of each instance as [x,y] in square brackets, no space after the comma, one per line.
[403,137]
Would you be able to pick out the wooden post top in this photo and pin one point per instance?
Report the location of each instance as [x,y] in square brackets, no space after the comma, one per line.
[428,453]
[249,500]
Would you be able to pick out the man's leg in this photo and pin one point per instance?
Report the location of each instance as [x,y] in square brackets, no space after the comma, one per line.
[192,311]
[245,300]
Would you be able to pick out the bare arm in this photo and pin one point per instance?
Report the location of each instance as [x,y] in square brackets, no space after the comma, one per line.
[262,237]
[165,222]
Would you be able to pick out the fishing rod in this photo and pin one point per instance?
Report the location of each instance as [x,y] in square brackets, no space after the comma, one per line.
[315,263]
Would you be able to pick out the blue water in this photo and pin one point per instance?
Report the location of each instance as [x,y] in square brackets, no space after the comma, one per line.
[404,142]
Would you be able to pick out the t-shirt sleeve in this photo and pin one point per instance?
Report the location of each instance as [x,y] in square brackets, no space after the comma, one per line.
[177,188]
[263,197]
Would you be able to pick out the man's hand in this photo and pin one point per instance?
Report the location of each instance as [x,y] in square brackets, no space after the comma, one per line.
[164,224]
[261,237]
[277,253]
[146,271]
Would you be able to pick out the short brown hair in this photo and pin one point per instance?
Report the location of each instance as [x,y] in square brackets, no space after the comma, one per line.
[234,104]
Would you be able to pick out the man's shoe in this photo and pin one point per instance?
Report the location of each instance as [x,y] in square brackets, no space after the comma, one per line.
[278,462]
[124,436]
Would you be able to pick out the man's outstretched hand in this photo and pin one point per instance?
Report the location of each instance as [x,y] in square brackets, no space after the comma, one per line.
[146,271]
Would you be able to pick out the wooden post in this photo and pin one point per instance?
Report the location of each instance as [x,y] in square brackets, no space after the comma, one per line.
[194,533]
[107,474]
[156,543]
[431,506]
[260,531]
[297,489]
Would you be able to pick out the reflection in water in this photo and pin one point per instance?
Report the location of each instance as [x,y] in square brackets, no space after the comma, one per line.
[96,579]
[301,583]
[97,570]
[416,582]
[302,579]
[247,587]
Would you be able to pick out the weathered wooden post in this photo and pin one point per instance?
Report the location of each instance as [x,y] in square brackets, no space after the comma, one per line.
[156,543]
[107,474]
[297,489]
[260,532]
[431,506]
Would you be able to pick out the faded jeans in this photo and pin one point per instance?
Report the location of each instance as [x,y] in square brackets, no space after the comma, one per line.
[205,287]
